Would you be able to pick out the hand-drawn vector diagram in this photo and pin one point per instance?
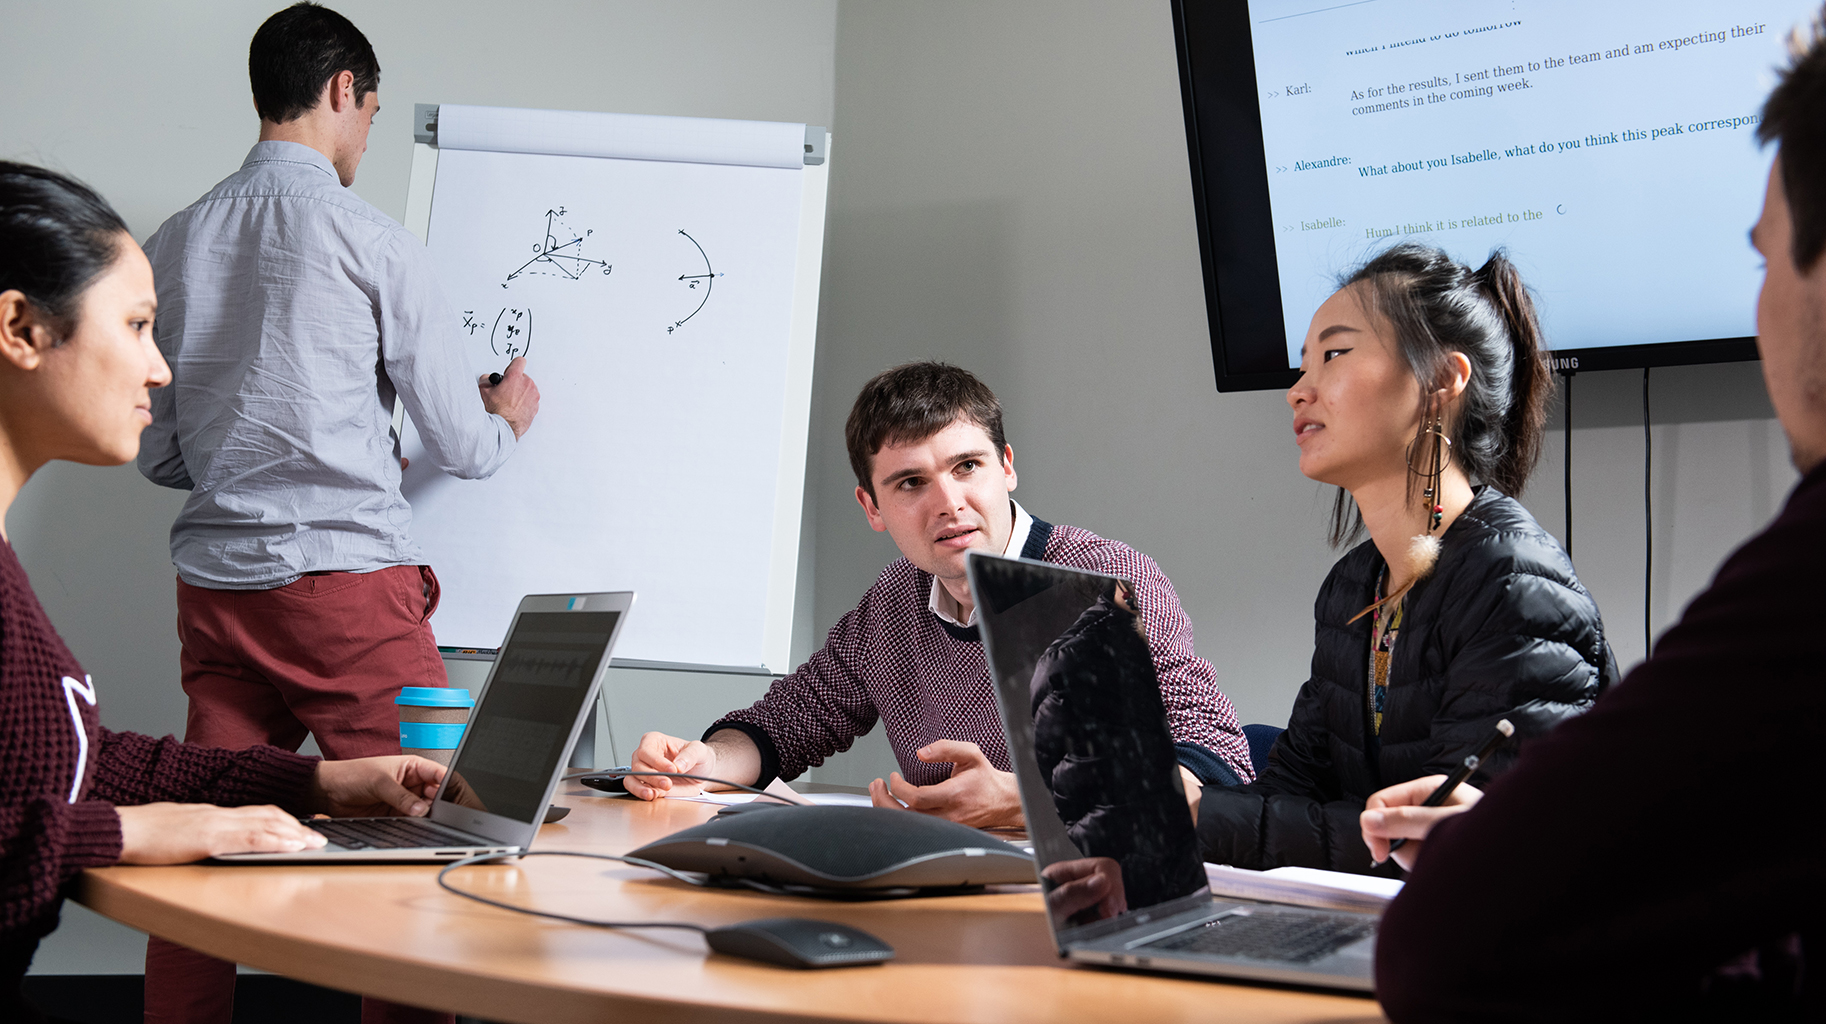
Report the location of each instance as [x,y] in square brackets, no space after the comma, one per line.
[560,254]
[510,331]
[697,282]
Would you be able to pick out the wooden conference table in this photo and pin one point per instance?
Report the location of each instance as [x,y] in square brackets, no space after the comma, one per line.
[389,931]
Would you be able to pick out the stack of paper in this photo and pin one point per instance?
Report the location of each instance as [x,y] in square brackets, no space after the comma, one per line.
[1305,887]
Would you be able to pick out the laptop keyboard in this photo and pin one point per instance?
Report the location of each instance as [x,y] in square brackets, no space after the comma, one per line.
[1288,938]
[387,833]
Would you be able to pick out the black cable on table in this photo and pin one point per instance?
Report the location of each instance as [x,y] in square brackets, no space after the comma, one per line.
[635,861]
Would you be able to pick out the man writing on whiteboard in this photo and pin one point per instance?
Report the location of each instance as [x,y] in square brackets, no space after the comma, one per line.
[934,470]
[292,314]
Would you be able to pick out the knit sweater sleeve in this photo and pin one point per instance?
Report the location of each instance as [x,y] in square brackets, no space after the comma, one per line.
[137,769]
[1198,713]
[821,708]
[45,842]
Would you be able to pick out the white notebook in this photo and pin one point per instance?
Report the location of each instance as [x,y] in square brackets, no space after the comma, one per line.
[1305,887]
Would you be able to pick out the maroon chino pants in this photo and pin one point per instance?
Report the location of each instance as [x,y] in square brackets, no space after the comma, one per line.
[324,655]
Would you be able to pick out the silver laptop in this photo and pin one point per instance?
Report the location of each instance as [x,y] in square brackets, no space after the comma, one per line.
[1100,785]
[512,755]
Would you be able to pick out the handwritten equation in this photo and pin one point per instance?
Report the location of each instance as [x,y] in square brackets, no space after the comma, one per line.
[509,330]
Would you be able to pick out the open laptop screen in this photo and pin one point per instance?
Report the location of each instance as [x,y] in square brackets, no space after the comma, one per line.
[519,730]
[1087,733]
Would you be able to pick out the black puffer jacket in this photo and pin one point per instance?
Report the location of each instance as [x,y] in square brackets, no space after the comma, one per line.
[1502,628]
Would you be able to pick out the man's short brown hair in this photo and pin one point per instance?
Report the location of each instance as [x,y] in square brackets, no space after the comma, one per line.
[911,403]
[296,52]
[1795,118]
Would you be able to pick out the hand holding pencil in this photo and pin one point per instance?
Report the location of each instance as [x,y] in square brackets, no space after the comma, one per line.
[1400,814]
[1396,819]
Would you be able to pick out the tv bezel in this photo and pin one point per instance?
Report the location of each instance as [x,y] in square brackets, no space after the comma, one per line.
[1236,235]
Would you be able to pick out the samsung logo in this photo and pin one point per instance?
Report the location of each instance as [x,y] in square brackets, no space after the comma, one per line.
[1568,363]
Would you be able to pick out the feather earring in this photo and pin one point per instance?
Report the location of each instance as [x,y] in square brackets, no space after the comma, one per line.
[1423,550]
[1423,554]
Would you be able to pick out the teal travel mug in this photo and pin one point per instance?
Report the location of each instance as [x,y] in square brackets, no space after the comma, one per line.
[432,719]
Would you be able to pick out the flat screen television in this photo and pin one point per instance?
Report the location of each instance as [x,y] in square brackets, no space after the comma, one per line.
[1608,145]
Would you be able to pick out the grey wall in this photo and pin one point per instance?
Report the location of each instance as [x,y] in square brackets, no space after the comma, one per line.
[1009,191]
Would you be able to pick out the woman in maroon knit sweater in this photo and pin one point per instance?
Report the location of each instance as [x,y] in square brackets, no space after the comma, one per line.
[76,362]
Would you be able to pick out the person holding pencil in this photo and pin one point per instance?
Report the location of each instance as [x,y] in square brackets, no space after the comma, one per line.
[1421,398]
[1621,871]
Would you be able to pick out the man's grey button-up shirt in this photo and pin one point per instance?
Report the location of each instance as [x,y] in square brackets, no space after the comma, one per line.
[292,313]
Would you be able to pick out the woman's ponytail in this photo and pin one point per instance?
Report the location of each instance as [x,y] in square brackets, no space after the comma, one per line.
[1530,380]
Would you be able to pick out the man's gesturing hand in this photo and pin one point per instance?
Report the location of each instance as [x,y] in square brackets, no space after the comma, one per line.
[976,794]
[371,787]
[1396,813]
[659,752]
[515,399]
[729,755]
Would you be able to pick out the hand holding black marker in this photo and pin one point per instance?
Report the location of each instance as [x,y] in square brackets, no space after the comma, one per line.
[494,379]
[511,395]
[1463,772]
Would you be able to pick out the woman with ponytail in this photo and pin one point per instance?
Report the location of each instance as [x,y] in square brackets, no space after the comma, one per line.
[1422,398]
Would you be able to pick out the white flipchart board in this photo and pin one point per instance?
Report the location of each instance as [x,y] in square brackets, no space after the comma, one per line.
[660,274]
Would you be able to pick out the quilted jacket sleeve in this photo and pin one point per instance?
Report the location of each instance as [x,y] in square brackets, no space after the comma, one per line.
[1527,645]
[1284,817]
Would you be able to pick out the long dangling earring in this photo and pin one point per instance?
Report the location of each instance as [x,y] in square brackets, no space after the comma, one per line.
[1434,458]
[1428,455]
[1435,451]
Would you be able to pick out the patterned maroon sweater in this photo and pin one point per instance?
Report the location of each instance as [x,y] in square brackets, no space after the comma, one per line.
[891,659]
[61,773]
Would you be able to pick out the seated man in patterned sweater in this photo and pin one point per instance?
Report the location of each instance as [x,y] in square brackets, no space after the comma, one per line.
[934,470]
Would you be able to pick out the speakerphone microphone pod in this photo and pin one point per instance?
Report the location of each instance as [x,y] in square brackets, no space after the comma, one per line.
[842,851]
